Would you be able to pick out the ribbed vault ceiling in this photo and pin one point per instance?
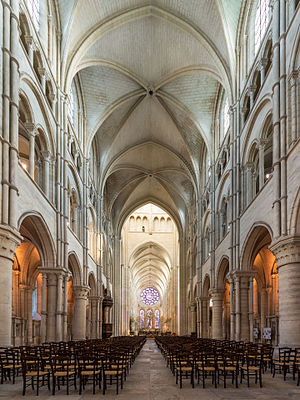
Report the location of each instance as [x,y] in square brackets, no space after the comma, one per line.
[150,73]
[150,267]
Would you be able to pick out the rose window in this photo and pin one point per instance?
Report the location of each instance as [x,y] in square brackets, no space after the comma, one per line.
[150,296]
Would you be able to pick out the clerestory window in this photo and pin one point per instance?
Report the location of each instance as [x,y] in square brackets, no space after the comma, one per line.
[34,10]
[262,19]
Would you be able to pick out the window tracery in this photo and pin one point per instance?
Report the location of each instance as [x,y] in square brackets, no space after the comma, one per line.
[226,117]
[150,296]
[34,10]
[262,19]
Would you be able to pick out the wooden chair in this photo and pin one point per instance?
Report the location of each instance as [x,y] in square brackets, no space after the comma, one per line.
[88,369]
[252,367]
[282,364]
[10,364]
[184,368]
[207,367]
[63,368]
[229,367]
[114,370]
[34,373]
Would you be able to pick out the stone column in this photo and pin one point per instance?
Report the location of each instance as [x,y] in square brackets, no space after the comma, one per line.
[263,307]
[46,161]
[276,117]
[293,82]
[100,318]
[251,325]
[262,67]
[261,161]
[59,308]
[232,309]
[251,92]
[9,241]
[237,308]
[287,252]
[217,299]
[243,114]
[42,72]
[205,322]
[51,306]
[29,315]
[94,301]
[193,309]
[65,312]
[80,302]
[244,296]
[249,182]
[29,42]
[44,308]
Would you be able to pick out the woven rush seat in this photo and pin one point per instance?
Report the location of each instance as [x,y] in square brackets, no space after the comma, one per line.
[37,373]
[110,372]
[64,373]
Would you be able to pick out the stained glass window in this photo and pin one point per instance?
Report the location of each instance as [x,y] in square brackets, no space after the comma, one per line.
[149,319]
[150,296]
[71,106]
[226,116]
[156,319]
[142,319]
[262,19]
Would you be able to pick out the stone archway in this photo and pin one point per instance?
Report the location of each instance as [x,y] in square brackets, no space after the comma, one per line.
[77,300]
[221,302]
[258,288]
[33,299]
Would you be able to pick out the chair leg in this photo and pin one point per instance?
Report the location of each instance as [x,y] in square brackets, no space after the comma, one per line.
[260,379]
[24,385]
[53,385]
[104,383]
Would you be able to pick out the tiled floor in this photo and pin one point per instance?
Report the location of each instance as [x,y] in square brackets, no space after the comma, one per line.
[149,379]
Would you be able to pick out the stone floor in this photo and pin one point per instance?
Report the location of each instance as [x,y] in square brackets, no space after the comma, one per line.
[149,379]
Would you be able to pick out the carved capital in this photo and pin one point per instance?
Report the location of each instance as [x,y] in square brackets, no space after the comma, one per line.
[287,250]
[9,241]
[81,292]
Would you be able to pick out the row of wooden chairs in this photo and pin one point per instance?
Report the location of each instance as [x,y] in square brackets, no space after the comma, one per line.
[200,359]
[98,362]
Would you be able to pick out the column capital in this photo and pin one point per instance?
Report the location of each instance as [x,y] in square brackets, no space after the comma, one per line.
[81,292]
[30,128]
[286,250]
[9,241]
[262,63]
[42,71]
[243,275]
[46,155]
[215,293]
[261,143]
[28,39]
[251,89]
